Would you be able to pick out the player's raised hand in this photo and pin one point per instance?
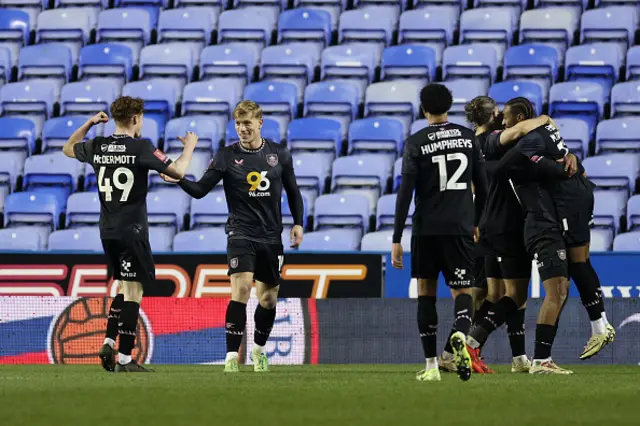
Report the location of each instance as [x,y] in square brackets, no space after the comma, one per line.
[168,179]
[570,163]
[100,117]
[190,139]
[396,255]
[296,236]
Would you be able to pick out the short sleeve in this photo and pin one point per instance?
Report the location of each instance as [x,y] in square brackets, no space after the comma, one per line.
[410,165]
[219,162]
[492,147]
[530,145]
[153,158]
[84,151]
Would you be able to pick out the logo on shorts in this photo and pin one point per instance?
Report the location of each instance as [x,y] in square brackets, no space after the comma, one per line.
[562,254]
[126,266]
[272,159]
[460,273]
[233,263]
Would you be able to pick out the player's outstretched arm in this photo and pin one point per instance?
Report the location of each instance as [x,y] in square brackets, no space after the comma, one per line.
[548,169]
[511,135]
[178,168]
[294,198]
[209,180]
[79,135]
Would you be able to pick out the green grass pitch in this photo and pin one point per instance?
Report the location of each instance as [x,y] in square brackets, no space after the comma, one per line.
[346,395]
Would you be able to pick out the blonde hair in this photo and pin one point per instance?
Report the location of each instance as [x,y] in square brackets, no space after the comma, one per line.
[247,109]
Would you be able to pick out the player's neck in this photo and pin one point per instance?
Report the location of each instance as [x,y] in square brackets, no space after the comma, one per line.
[124,131]
[482,129]
[252,145]
[437,119]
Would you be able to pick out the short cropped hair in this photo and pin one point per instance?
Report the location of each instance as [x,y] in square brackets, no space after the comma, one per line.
[522,106]
[435,99]
[480,110]
[247,109]
[125,108]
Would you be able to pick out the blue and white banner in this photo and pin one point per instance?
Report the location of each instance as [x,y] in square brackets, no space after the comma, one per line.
[619,277]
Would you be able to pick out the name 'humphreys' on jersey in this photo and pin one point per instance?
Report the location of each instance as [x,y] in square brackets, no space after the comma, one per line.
[446,144]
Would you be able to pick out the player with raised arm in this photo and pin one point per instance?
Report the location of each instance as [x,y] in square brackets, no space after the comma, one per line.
[440,163]
[122,162]
[254,172]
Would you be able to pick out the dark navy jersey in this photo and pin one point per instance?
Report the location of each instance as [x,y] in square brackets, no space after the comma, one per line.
[253,181]
[503,213]
[444,160]
[122,165]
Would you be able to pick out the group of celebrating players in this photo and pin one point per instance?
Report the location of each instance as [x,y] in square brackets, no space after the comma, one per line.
[532,202]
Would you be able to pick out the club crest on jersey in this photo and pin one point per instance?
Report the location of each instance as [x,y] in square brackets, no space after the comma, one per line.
[272,159]
[233,263]
[432,136]
[562,254]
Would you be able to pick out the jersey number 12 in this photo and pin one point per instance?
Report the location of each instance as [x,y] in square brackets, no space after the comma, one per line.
[104,184]
[452,184]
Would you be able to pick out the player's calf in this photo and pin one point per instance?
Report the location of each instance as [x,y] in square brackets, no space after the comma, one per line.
[128,321]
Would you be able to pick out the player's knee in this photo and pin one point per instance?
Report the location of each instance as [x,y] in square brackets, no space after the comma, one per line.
[269,298]
[241,284]
[131,290]
[495,293]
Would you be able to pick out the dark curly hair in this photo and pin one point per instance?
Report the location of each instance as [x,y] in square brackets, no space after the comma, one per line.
[435,99]
[125,108]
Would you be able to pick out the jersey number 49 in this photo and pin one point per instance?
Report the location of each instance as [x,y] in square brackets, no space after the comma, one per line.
[104,183]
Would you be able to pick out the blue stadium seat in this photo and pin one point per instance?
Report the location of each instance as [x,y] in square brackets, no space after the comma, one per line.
[381,241]
[169,60]
[20,239]
[311,174]
[11,165]
[376,134]
[150,6]
[607,211]
[93,5]
[47,61]
[76,240]
[386,212]
[159,240]
[56,131]
[409,61]
[625,99]
[190,26]
[618,134]
[270,130]
[199,163]
[342,210]
[535,62]
[598,63]
[516,6]
[507,90]
[395,98]
[29,99]
[332,99]
[166,211]
[71,26]
[201,241]
[331,240]
[418,125]
[131,27]
[629,241]
[160,97]
[211,210]
[601,240]
[287,217]
[633,63]
[293,62]
[305,25]
[106,60]
[615,25]
[477,61]
[355,62]
[54,173]
[321,135]
[613,171]
[633,213]
[233,61]
[464,91]
[433,27]
[5,64]
[209,133]
[245,25]
[583,100]
[83,209]
[34,209]
[493,25]
[579,5]
[214,98]
[278,100]
[87,97]
[17,134]
[365,174]
[15,30]
[363,25]
[150,129]
[553,26]
[575,134]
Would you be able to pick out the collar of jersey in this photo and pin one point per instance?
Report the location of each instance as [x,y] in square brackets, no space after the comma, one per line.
[115,136]
[438,124]
[251,150]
